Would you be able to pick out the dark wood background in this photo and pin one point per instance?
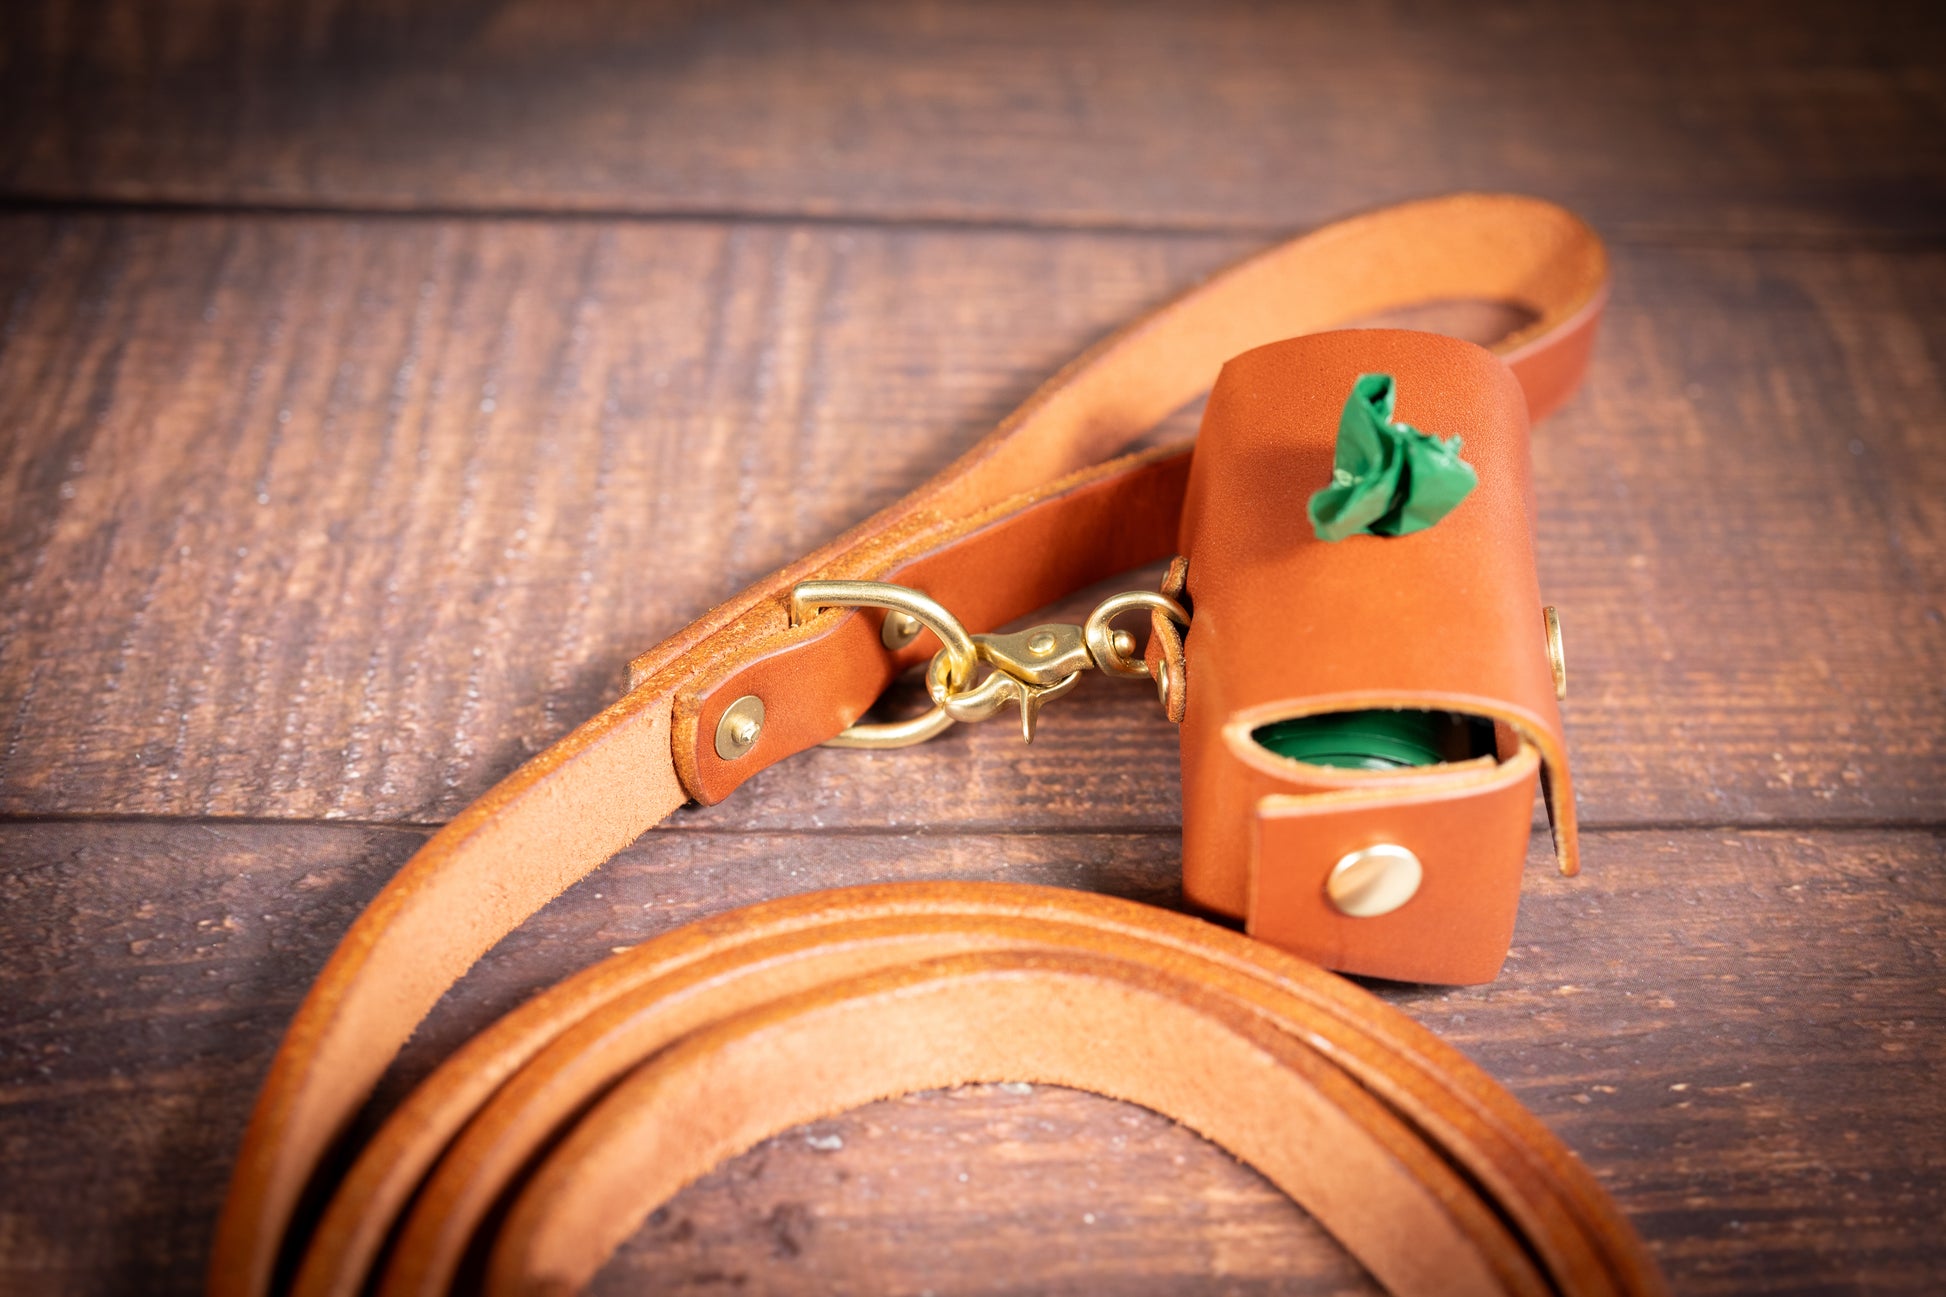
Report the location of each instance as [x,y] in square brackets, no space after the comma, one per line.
[376,377]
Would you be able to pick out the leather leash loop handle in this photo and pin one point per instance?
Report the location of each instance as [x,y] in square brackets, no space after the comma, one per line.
[600,787]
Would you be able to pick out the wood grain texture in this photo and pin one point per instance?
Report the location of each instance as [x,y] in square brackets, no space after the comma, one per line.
[377,376]
[1741,1032]
[317,519]
[1813,118]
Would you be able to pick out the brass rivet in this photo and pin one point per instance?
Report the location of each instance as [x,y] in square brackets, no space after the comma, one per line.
[1042,644]
[1555,657]
[1374,881]
[737,731]
[1162,679]
[899,630]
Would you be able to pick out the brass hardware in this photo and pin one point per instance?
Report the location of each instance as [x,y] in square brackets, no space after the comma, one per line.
[958,654]
[1040,655]
[1114,652]
[1030,667]
[1555,657]
[1162,682]
[1374,881]
[895,734]
[737,730]
[899,630]
[811,597]
[1000,687]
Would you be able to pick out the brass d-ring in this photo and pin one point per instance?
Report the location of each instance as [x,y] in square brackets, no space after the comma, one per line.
[959,651]
[894,734]
[1100,630]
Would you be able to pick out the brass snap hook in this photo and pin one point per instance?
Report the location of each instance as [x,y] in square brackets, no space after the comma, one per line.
[1030,667]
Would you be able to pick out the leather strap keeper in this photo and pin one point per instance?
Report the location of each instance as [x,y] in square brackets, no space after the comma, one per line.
[1287,625]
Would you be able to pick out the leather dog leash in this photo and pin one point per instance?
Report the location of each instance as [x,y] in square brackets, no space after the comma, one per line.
[731,1029]
[1027,493]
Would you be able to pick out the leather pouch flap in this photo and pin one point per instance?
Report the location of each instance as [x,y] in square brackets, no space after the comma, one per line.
[1457,922]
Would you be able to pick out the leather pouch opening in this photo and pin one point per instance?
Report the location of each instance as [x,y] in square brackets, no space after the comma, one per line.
[1379,739]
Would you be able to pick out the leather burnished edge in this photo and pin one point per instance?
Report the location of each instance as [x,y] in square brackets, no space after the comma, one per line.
[1414,1132]
[559,816]
[1139,1030]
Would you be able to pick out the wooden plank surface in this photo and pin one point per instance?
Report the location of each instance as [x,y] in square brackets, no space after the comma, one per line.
[1739,1032]
[1814,119]
[377,377]
[326,519]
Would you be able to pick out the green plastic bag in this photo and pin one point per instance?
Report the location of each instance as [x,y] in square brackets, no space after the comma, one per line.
[1388,479]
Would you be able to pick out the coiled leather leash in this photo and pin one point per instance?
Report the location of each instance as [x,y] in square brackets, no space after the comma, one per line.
[702,1042]
[1421,1165]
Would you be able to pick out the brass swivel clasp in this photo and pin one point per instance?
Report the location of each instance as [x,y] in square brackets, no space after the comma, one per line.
[1028,668]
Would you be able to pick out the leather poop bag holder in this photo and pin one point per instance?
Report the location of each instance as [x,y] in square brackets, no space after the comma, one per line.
[1350,636]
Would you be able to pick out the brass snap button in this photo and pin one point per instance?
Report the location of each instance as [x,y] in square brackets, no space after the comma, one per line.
[1374,881]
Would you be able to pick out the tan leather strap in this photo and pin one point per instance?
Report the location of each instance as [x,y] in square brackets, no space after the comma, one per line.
[563,813]
[642,1072]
